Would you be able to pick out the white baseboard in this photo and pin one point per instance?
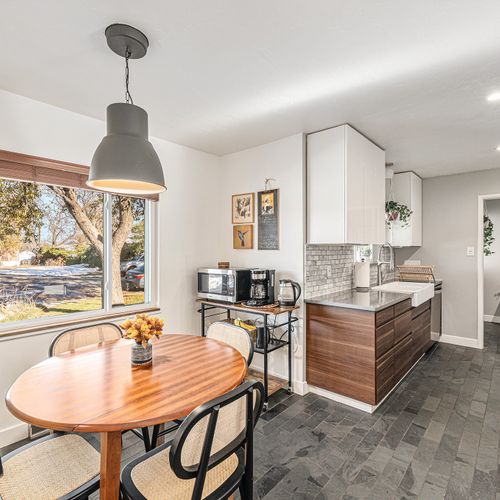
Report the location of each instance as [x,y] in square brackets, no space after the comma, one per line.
[463,341]
[334,396]
[300,387]
[491,319]
[13,434]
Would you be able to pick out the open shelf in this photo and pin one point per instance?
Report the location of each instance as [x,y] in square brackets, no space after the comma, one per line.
[273,345]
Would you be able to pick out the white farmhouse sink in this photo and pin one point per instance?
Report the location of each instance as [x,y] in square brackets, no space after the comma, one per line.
[420,292]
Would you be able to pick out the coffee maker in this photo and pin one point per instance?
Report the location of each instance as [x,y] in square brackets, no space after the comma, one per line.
[261,287]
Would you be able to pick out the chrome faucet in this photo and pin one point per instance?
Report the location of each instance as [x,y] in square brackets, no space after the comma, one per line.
[380,263]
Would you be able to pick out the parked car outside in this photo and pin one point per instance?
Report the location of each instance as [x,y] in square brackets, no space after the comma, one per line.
[134,278]
[130,264]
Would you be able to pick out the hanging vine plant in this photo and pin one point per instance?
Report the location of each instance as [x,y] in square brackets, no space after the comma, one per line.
[397,212]
[488,237]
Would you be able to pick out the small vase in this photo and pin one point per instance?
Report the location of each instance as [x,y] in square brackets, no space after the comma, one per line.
[141,356]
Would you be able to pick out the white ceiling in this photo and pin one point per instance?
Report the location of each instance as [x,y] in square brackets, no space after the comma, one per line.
[225,75]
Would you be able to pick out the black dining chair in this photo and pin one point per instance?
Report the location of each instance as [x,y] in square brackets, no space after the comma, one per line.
[62,466]
[233,335]
[82,336]
[210,456]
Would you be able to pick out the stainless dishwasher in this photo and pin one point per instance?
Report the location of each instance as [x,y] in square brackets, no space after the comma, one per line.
[437,311]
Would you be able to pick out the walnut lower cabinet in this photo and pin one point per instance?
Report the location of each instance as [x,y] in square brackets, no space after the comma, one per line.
[364,354]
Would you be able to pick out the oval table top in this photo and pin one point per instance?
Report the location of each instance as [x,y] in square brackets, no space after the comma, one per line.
[95,388]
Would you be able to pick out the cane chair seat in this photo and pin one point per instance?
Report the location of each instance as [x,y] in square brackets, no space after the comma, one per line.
[154,479]
[50,468]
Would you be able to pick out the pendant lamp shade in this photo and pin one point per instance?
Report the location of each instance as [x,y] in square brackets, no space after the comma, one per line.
[125,161]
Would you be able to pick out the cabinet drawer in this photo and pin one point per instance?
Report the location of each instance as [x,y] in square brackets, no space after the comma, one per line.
[403,357]
[402,307]
[385,374]
[416,311]
[402,326]
[418,343]
[421,321]
[384,316]
[426,318]
[384,338]
[423,334]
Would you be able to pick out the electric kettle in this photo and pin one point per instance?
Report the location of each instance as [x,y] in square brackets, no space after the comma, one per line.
[289,293]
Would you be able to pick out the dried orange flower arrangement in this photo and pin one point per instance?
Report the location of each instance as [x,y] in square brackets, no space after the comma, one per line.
[143,328]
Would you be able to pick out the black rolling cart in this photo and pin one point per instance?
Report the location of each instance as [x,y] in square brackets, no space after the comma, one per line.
[266,313]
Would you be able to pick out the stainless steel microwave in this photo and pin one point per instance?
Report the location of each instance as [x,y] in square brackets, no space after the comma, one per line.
[227,285]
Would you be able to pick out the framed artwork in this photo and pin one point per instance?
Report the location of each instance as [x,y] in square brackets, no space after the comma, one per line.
[243,208]
[268,219]
[243,237]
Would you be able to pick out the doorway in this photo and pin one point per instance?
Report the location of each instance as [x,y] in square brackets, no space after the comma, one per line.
[488,260]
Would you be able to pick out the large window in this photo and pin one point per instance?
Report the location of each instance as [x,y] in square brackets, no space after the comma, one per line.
[128,249]
[68,250]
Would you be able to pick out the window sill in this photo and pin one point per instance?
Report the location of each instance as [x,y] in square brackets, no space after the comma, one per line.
[67,323]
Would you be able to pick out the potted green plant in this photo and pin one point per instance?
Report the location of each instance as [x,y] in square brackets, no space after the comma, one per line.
[397,212]
[488,237]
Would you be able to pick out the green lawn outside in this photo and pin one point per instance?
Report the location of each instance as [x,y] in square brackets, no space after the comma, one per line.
[29,310]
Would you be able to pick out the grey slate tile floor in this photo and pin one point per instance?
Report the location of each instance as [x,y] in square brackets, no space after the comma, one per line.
[437,436]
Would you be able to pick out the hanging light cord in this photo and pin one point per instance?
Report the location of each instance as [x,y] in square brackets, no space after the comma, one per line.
[128,96]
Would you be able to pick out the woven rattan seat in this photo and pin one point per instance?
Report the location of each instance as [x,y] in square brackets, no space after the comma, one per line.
[156,480]
[50,468]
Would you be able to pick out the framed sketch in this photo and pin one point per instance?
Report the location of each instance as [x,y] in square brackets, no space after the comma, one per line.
[243,208]
[268,219]
[243,237]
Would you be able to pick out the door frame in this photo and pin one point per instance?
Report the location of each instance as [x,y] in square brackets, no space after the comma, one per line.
[481,199]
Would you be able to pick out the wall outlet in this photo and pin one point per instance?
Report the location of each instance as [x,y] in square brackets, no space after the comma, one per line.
[470,251]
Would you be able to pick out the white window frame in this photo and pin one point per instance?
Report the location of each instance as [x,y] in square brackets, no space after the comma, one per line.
[150,283]
[357,253]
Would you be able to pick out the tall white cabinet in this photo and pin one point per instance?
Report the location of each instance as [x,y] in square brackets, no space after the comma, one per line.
[406,188]
[345,188]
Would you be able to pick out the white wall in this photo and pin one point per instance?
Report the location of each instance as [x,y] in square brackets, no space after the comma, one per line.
[492,266]
[187,220]
[188,226]
[449,227]
[244,172]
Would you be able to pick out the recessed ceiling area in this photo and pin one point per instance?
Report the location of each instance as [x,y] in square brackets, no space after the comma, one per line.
[226,75]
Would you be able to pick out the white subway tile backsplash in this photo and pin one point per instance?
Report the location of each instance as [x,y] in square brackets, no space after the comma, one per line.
[329,268]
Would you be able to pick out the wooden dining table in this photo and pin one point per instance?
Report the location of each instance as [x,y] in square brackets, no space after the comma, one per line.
[95,389]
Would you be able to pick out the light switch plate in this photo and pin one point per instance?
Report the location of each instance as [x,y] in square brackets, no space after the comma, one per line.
[470,251]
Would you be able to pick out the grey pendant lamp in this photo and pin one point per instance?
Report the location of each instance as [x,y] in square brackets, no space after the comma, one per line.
[125,161]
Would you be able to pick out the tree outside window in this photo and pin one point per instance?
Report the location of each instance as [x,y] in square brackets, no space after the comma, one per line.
[52,250]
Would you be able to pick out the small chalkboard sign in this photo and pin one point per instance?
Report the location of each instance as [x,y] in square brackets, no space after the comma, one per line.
[268,219]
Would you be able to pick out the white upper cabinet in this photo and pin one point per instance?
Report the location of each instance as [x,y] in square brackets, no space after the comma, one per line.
[406,188]
[345,188]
